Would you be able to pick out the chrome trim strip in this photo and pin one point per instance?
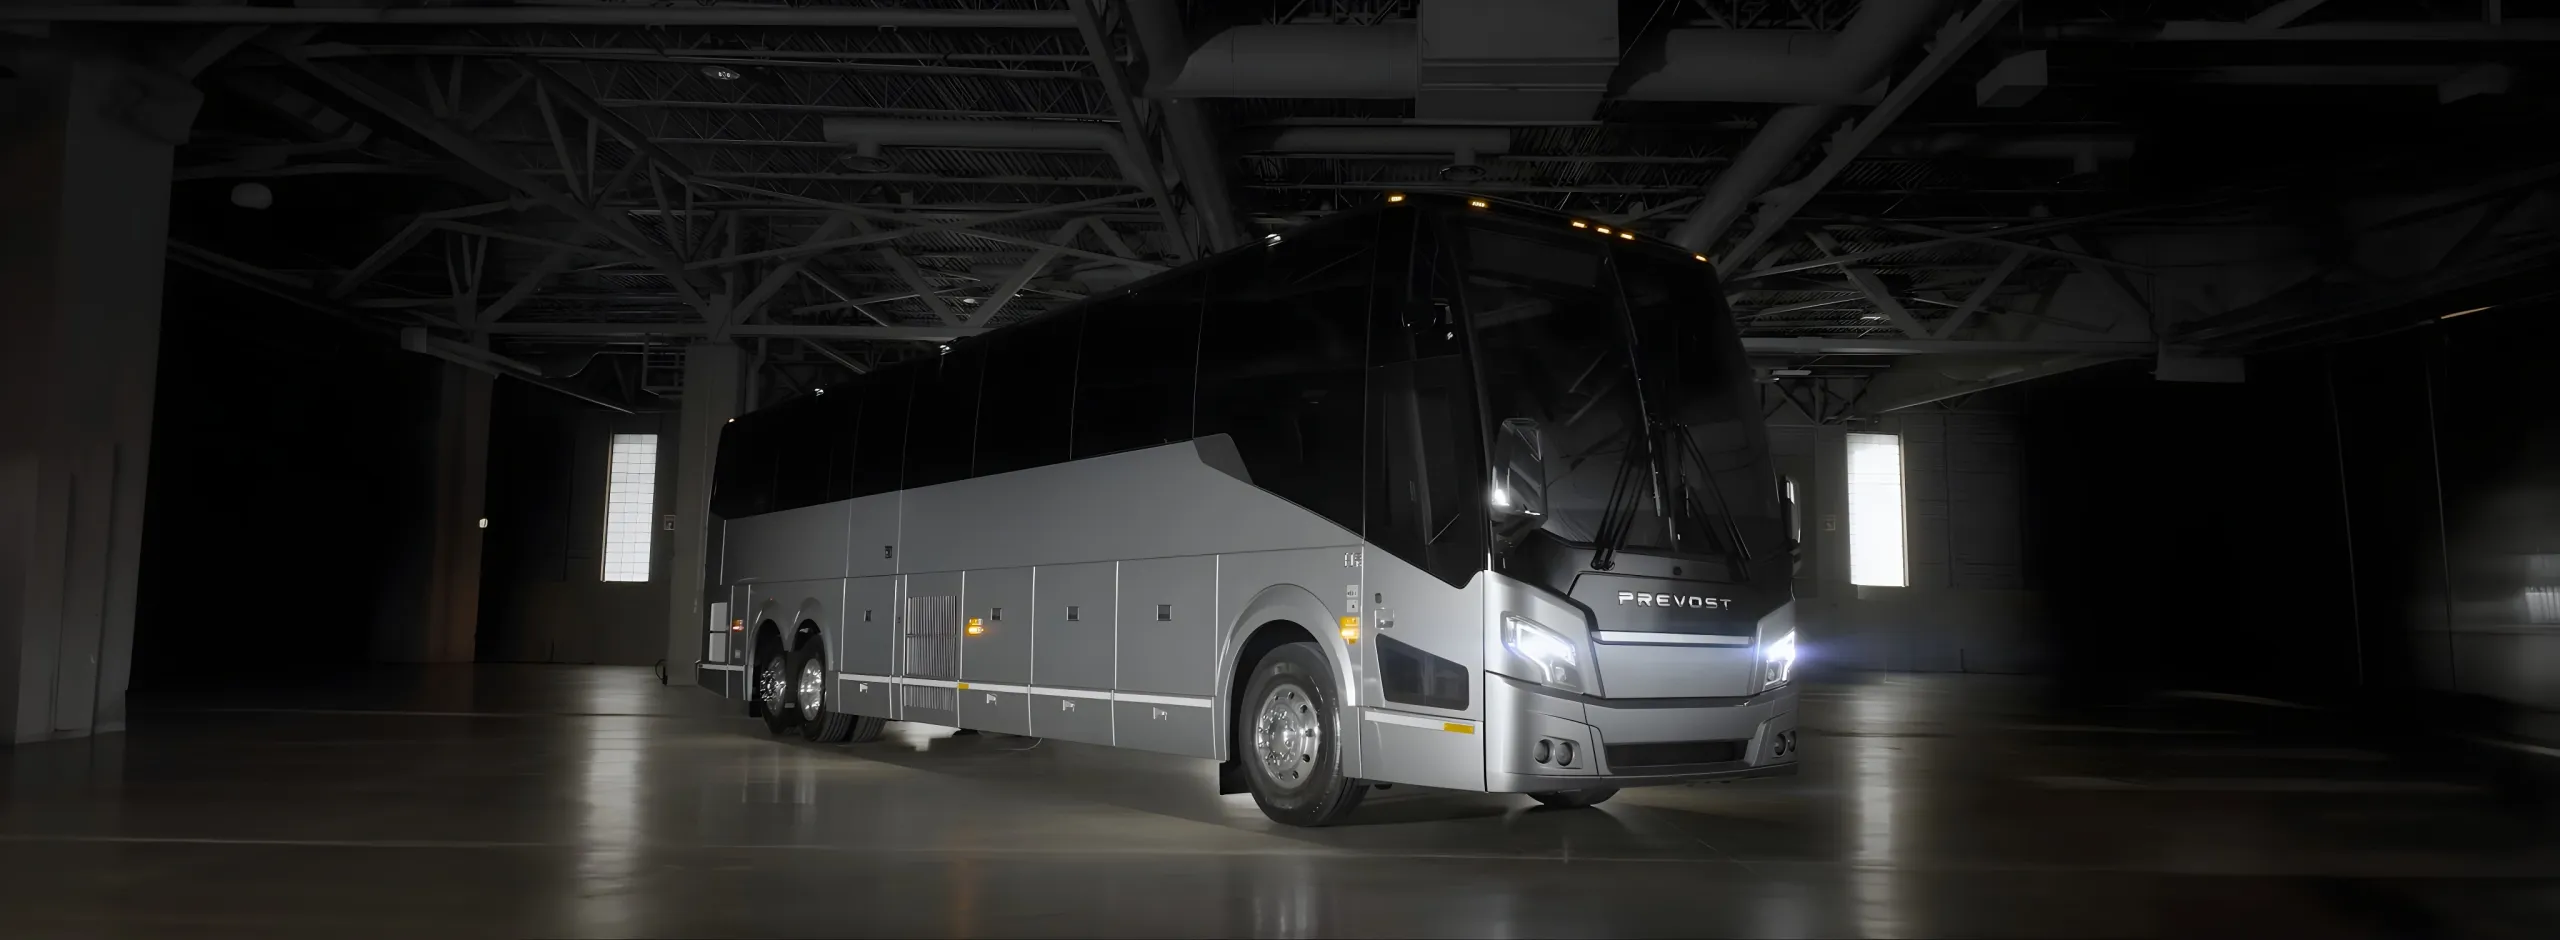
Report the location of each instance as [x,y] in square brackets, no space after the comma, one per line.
[1071,693]
[1412,721]
[717,667]
[1638,638]
[859,677]
[1145,699]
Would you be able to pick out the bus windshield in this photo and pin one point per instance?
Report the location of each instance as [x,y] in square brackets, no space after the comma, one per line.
[1551,315]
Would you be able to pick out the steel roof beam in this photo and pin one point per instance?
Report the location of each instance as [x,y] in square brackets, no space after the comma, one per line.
[722,15]
[740,331]
[1951,46]
[383,101]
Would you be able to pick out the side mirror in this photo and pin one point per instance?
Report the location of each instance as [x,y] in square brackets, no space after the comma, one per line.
[1791,515]
[1519,499]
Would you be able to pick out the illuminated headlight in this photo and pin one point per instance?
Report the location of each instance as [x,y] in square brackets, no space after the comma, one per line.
[1545,649]
[1778,661]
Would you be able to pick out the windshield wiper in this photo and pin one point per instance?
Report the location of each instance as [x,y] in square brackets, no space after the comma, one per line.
[1738,558]
[1617,523]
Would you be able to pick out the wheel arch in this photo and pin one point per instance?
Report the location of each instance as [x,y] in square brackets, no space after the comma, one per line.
[1282,613]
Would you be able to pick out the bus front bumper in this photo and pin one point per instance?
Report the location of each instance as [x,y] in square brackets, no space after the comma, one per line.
[1589,742]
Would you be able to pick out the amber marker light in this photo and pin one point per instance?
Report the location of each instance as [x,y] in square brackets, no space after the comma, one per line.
[977,626]
[1395,197]
[1351,629]
[1478,203]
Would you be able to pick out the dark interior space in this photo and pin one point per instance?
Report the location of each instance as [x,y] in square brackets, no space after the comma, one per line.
[2293,536]
[275,505]
[1171,468]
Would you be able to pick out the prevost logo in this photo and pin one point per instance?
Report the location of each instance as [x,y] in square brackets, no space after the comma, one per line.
[1690,601]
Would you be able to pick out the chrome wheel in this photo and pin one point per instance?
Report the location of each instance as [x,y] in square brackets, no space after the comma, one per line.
[771,688]
[1287,735]
[813,686]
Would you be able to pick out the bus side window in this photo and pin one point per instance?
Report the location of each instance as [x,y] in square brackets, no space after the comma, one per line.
[1027,399]
[800,461]
[880,440]
[841,425]
[1135,362]
[942,419]
[1283,356]
[743,476]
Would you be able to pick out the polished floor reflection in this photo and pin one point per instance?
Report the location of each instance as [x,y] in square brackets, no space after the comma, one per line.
[561,801]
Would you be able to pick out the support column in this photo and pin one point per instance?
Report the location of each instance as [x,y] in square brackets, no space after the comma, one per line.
[712,376]
[432,614]
[85,145]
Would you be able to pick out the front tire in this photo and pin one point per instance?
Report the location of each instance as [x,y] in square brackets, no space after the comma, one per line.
[1289,738]
[1575,799]
[773,692]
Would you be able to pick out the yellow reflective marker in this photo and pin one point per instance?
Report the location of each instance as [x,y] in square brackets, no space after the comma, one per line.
[1457,728]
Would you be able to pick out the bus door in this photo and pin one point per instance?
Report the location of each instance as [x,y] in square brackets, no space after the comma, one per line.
[1423,646]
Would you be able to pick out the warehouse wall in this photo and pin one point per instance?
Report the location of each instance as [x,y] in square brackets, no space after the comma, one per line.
[2378,522]
[1967,607]
[543,597]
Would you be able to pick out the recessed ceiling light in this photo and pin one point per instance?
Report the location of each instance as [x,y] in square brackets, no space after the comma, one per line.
[1871,317]
[722,72]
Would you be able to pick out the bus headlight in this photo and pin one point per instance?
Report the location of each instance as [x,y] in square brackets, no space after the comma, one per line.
[1778,661]
[1557,657]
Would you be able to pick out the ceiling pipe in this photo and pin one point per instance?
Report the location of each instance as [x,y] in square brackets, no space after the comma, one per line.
[735,14]
[1741,65]
[1362,140]
[1371,62]
[1858,59]
[1157,27]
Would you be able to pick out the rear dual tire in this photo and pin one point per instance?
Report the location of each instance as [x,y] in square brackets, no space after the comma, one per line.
[795,691]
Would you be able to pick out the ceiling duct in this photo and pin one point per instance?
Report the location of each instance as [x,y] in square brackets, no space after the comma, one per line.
[1368,140]
[1528,60]
[1493,60]
[1859,58]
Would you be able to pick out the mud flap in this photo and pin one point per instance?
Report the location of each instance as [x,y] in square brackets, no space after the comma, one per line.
[1231,779]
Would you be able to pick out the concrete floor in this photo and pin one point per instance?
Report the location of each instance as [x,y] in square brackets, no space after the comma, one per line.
[564,801]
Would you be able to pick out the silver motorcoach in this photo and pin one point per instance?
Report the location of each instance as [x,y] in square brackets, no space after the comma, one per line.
[1443,491]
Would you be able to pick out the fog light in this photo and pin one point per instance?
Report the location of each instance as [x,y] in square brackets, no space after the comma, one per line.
[1564,753]
[1546,749]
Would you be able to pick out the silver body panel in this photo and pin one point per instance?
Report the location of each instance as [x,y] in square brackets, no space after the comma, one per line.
[1170,561]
